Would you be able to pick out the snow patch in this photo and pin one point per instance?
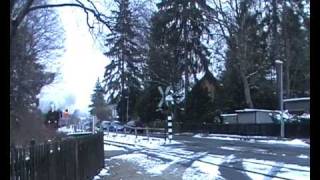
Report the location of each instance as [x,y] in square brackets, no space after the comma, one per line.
[219,138]
[142,141]
[295,142]
[303,156]
[151,165]
[113,148]
[66,129]
[252,139]
[104,172]
[290,171]
[204,169]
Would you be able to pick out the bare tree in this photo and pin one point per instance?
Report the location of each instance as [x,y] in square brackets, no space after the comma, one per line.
[235,22]
[20,8]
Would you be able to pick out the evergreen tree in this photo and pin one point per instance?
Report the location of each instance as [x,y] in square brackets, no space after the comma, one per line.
[99,105]
[183,25]
[294,49]
[123,74]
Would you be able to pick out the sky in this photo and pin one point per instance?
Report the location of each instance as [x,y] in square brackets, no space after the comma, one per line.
[79,66]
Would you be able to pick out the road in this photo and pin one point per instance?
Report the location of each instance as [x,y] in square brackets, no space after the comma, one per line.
[202,158]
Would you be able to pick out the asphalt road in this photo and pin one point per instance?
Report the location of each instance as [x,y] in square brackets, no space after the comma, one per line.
[282,154]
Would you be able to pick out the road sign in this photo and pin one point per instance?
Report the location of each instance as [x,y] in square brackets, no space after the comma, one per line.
[162,97]
[165,96]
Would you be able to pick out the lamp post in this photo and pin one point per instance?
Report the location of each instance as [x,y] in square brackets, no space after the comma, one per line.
[127,97]
[127,107]
[279,66]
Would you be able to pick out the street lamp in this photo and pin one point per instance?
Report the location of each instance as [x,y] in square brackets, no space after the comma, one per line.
[127,107]
[279,67]
[127,97]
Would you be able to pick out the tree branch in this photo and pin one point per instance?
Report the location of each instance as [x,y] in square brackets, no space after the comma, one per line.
[29,8]
[99,16]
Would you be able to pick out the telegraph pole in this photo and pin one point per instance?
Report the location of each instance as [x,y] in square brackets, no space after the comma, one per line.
[279,65]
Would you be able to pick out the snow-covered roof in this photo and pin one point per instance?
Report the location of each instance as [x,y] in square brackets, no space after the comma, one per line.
[296,99]
[225,115]
[256,110]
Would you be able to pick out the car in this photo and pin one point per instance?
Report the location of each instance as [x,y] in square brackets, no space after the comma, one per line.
[134,124]
[116,126]
[105,125]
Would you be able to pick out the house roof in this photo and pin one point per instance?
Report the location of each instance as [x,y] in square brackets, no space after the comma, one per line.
[297,99]
[209,76]
[256,110]
[226,115]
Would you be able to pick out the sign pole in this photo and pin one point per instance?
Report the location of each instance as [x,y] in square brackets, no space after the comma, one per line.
[92,124]
[169,128]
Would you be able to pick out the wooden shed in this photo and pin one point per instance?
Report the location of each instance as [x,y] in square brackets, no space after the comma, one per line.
[297,105]
[254,116]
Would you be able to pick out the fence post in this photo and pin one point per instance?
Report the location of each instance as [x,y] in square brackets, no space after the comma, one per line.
[135,132]
[76,160]
[32,160]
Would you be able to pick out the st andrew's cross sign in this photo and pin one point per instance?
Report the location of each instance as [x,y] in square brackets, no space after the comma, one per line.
[166,96]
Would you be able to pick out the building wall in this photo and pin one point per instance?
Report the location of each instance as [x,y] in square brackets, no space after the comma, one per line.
[297,106]
[230,119]
[263,117]
[246,117]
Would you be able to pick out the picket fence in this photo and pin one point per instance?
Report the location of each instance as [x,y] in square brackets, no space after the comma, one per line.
[73,158]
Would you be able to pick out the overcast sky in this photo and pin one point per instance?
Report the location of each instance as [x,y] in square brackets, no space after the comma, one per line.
[80,65]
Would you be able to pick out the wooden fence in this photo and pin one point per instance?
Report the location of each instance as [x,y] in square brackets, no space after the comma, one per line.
[74,158]
[291,130]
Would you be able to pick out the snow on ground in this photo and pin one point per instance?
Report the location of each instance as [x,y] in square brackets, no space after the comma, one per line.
[303,156]
[151,165]
[216,137]
[155,158]
[233,136]
[103,172]
[205,168]
[70,130]
[108,147]
[241,148]
[294,142]
[253,139]
[66,129]
[275,168]
[143,141]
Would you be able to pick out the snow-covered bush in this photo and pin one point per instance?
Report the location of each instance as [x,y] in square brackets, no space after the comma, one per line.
[290,118]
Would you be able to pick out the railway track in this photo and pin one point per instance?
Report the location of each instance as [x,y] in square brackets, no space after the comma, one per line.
[155,152]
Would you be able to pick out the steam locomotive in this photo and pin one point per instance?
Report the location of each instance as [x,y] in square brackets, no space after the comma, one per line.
[56,118]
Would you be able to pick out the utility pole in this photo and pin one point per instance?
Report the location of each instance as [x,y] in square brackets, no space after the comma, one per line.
[279,65]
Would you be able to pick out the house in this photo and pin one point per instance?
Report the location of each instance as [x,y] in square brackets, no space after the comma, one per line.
[254,116]
[230,118]
[297,105]
[114,112]
[210,83]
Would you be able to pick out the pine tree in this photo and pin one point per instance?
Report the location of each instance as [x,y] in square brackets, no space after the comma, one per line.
[295,49]
[123,74]
[182,25]
[99,105]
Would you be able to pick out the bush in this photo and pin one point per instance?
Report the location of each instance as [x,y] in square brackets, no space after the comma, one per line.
[290,118]
[28,125]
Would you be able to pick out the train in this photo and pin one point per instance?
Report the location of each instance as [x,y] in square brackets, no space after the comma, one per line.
[57,118]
